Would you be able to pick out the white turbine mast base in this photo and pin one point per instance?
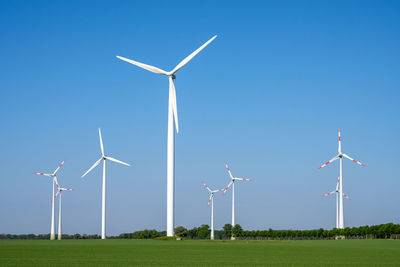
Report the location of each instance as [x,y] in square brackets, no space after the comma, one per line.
[232,183]
[103,194]
[211,200]
[172,116]
[59,218]
[336,192]
[339,188]
[54,182]
[59,192]
[52,230]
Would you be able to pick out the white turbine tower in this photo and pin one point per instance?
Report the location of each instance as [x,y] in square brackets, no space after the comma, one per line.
[172,116]
[232,183]
[54,178]
[103,201]
[60,189]
[211,199]
[337,200]
[340,156]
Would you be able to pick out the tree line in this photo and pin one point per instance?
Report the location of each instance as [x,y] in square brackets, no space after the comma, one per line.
[383,231]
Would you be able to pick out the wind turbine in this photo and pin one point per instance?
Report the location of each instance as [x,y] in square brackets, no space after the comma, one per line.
[337,200]
[54,176]
[60,189]
[172,116]
[232,183]
[211,199]
[340,156]
[103,201]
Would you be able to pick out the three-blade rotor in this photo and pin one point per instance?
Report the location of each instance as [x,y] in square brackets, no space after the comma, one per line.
[336,191]
[171,76]
[51,174]
[340,155]
[54,174]
[211,192]
[103,157]
[63,189]
[233,178]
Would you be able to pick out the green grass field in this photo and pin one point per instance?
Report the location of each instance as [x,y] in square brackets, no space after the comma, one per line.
[198,253]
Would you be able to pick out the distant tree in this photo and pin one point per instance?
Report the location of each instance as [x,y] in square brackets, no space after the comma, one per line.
[218,234]
[396,229]
[227,230]
[193,233]
[375,231]
[181,231]
[31,236]
[144,234]
[237,230]
[270,233]
[204,231]
[320,232]
[124,235]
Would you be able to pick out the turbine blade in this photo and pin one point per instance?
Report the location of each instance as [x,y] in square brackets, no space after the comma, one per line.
[230,174]
[340,144]
[346,196]
[337,184]
[41,173]
[328,194]
[66,189]
[173,99]
[209,200]
[55,179]
[226,188]
[188,58]
[59,166]
[144,66]
[94,165]
[58,192]
[219,190]
[117,161]
[335,158]
[207,187]
[346,156]
[243,179]
[101,143]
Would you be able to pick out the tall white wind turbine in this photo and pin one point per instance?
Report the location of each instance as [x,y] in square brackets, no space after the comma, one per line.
[54,178]
[340,156]
[337,200]
[232,183]
[103,201]
[211,200]
[172,116]
[60,190]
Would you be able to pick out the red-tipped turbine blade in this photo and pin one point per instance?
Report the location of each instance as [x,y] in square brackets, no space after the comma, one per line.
[333,159]
[353,160]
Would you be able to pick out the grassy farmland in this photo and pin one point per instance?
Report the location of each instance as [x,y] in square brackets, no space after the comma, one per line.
[198,253]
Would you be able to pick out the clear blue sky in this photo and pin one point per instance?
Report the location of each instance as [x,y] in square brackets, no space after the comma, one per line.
[268,96]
